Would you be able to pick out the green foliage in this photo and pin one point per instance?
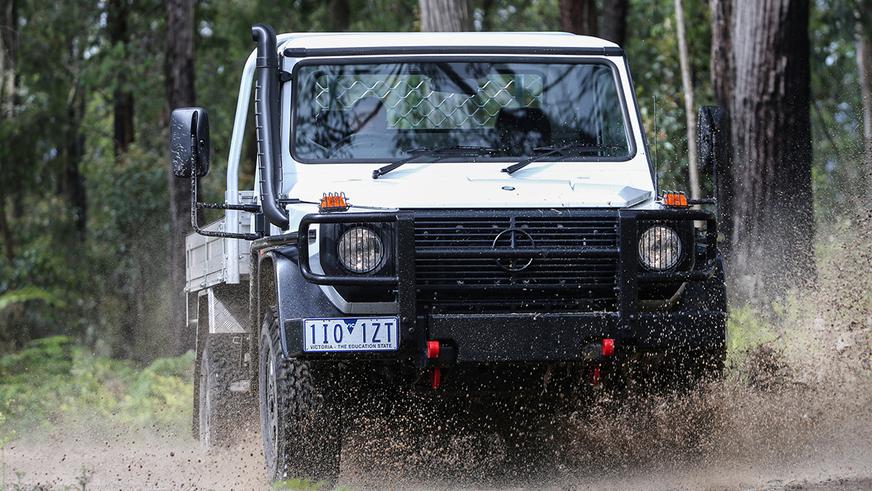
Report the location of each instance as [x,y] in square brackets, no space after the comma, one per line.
[54,382]
[28,294]
[746,329]
[652,50]
[506,15]
[836,113]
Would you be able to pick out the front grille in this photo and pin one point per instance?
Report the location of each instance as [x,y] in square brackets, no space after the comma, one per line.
[559,281]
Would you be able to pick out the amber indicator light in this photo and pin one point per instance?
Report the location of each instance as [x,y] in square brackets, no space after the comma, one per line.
[675,200]
[333,202]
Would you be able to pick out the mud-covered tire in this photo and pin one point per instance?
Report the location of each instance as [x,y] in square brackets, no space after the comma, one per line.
[300,418]
[222,411]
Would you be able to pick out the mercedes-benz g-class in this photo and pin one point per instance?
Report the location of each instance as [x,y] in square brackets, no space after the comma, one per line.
[436,210]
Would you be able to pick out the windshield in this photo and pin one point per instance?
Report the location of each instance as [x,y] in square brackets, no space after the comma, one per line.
[375,112]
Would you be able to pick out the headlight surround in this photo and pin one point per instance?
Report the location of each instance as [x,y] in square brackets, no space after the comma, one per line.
[660,248]
[360,250]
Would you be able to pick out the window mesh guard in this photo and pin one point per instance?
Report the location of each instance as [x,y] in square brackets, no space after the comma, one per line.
[412,103]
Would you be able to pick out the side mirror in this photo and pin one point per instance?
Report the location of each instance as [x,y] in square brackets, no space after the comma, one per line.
[712,138]
[189,153]
[189,141]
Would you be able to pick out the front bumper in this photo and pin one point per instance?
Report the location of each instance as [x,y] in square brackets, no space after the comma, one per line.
[485,338]
[482,337]
[564,337]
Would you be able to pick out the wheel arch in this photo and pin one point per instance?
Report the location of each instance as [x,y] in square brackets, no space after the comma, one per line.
[280,284]
[262,285]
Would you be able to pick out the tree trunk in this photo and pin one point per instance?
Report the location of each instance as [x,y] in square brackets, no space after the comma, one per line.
[864,66]
[71,155]
[445,15]
[72,150]
[180,93]
[8,57]
[689,110]
[578,16]
[614,21]
[722,65]
[774,228]
[8,96]
[722,75]
[122,98]
[6,231]
[340,15]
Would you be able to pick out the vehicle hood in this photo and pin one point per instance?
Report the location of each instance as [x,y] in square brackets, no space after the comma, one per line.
[509,192]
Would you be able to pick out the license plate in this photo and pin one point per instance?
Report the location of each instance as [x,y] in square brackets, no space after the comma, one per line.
[351,334]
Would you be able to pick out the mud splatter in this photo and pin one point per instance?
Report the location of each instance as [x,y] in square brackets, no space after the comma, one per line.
[792,413]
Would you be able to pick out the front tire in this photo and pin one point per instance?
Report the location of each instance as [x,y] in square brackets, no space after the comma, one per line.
[300,419]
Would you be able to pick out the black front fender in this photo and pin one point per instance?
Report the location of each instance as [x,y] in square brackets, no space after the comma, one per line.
[282,286]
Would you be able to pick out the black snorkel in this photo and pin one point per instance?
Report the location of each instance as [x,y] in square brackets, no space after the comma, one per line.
[266,100]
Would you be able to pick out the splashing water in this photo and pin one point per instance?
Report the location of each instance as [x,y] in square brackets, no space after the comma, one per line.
[792,411]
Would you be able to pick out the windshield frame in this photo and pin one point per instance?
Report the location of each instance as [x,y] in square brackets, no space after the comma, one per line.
[630,129]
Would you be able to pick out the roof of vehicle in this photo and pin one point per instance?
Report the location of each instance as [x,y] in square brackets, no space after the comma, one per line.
[363,40]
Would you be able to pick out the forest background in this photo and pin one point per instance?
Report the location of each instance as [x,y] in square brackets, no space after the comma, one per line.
[92,226]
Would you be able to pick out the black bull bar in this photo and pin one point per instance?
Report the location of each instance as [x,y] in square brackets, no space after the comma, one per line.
[539,336]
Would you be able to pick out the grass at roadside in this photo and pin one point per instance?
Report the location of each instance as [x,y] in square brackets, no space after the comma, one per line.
[747,329]
[53,383]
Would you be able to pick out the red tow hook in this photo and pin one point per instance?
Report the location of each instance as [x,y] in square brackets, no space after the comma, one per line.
[432,353]
[608,346]
[435,378]
[432,349]
[607,349]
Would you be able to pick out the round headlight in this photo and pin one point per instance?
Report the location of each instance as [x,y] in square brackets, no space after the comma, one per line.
[659,248]
[360,250]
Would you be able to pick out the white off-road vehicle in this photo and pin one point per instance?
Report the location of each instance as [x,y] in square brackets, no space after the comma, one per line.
[436,210]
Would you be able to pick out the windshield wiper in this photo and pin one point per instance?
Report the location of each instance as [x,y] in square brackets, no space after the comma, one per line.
[437,153]
[549,151]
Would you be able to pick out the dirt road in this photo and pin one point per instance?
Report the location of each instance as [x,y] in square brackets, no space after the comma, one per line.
[731,437]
